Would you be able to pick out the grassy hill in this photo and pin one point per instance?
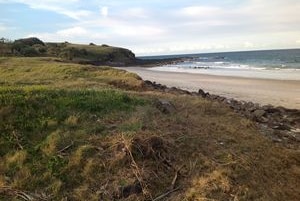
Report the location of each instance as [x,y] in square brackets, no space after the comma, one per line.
[88,54]
[80,132]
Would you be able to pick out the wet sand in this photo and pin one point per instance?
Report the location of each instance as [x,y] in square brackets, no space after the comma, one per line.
[263,91]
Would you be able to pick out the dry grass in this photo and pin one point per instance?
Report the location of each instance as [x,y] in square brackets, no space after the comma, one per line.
[51,72]
[95,145]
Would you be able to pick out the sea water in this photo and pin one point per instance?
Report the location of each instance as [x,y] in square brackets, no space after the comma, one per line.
[267,64]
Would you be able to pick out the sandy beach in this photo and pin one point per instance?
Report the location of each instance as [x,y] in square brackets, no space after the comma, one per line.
[263,91]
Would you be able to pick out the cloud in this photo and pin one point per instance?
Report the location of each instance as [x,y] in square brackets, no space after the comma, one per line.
[71,34]
[136,12]
[138,31]
[248,44]
[200,11]
[3,27]
[161,27]
[66,8]
[104,11]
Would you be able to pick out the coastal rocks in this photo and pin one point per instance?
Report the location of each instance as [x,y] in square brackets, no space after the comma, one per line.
[163,88]
[258,114]
[278,123]
[165,106]
[202,93]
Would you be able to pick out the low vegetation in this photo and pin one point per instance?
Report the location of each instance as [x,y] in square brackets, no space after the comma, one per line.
[87,54]
[79,132]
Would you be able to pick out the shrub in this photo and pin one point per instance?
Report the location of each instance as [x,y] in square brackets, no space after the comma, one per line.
[30,41]
[29,51]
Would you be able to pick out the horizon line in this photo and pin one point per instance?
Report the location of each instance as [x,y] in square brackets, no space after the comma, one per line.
[233,51]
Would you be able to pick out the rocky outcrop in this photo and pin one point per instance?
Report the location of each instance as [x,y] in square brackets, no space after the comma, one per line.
[278,123]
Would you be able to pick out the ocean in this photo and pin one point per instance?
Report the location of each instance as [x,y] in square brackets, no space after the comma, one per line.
[267,64]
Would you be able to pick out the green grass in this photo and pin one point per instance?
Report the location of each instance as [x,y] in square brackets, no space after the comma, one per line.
[21,111]
[35,123]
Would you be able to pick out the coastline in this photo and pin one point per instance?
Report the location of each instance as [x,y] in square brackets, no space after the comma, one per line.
[284,93]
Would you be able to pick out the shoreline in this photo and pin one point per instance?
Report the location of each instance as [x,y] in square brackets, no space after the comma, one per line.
[284,93]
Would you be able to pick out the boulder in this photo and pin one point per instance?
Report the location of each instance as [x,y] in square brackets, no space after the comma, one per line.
[165,106]
[202,93]
[257,114]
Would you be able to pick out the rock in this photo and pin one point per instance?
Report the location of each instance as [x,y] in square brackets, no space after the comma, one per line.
[165,106]
[126,191]
[263,120]
[147,82]
[202,93]
[258,113]
[281,109]
[194,94]
[282,127]
[221,98]
[270,109]
[213,97]
[235,105]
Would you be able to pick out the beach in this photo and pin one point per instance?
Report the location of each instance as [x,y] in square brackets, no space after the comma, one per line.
[284,93]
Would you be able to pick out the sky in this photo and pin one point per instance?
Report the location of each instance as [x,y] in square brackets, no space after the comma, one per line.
[157,27]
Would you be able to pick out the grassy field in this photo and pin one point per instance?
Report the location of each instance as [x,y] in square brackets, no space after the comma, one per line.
[78,132]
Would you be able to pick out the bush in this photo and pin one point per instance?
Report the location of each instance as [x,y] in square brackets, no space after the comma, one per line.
[30,41]
[29,51]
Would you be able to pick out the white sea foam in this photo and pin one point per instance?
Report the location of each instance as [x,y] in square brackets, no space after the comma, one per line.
[237,71]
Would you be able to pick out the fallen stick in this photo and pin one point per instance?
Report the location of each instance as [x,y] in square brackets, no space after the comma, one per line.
[165,194]
[20,194]
[65,148]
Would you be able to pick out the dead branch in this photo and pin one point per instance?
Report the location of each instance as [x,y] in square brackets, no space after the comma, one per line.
[165,194]
[21,194]
[136,171]
[18,141]
[66,148]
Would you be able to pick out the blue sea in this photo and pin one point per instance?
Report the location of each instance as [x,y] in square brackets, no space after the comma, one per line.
[267,64]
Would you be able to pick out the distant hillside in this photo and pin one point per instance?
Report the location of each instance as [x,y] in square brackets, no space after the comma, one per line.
[89,54]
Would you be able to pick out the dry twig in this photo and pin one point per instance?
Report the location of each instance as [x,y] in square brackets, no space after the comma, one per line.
[66,148]
[165,194]
[136,171]
[18,141]
[21,194]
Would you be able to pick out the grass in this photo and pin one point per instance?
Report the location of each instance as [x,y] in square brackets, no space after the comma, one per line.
[78,132]
[53,73]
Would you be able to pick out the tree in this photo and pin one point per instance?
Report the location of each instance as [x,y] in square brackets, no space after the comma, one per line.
[5,40]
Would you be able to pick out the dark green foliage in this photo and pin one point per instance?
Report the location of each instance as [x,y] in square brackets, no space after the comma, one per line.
[28,51]
[30,41]
[55,165]
[28,47]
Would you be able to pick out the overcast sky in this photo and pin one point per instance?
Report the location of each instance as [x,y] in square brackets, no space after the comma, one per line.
[154,27]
